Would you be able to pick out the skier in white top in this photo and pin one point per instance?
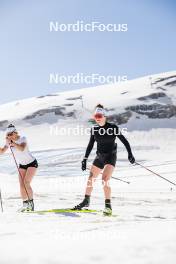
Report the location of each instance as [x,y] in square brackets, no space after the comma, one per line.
[27,165]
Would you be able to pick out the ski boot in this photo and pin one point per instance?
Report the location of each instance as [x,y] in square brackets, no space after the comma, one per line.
[28,206]
[84,204]
[108,210]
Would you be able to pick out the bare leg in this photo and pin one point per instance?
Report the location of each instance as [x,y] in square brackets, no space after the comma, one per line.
[25,179]
[21,181]
[30,173]
[94,172]
[107,173]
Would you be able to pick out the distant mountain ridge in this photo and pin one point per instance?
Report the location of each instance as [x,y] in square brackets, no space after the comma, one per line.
[148,98]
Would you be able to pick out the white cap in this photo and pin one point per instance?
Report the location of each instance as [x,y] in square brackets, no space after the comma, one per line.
[10,129]
[100,110]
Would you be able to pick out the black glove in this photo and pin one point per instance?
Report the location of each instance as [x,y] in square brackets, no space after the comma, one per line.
[131,158]
[84,164]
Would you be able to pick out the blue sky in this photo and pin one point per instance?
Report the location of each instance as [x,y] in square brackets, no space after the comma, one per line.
[29,52]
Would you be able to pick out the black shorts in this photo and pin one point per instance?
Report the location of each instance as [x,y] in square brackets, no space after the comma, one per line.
[105,158]
[33,164]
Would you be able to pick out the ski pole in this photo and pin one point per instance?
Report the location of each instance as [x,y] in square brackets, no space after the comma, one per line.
[19,173]
[1,201]
[120,180]
[156,173]
[115,178]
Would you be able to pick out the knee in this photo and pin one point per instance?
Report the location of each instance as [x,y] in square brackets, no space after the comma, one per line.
[105,178]
[21,183]
[91,176]
[26,182]
[105,181]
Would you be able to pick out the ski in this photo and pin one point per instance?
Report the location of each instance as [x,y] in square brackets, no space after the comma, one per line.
[71,211]
[65,210]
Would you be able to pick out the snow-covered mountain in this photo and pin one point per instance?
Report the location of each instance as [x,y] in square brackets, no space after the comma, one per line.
[143,103]
[144,210]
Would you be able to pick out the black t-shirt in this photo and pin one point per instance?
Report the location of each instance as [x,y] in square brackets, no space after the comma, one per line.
[105,137]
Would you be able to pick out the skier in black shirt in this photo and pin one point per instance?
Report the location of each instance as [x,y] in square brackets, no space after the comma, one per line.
[104,134]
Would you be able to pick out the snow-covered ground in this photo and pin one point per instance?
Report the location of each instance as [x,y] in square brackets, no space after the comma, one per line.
[143,228]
